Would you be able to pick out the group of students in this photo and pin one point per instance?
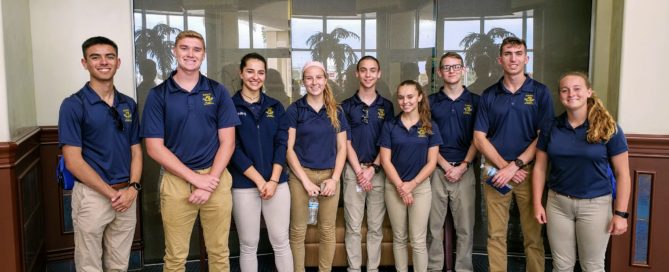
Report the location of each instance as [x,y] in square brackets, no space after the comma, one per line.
[238,157]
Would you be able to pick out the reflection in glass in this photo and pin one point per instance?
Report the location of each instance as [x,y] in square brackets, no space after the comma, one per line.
[642,214]
[231,30]
[407,36]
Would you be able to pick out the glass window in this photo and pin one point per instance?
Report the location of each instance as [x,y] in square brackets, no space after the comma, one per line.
[456,30]
[302,29]
[644,187]
[407,36]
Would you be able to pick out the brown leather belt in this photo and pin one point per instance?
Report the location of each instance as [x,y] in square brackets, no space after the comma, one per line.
[120,185]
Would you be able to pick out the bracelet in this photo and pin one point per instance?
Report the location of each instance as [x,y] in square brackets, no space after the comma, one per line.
[271,180]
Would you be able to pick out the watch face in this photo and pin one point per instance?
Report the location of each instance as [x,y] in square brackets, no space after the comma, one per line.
[519,163]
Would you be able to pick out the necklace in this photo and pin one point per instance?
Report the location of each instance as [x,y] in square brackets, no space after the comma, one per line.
[250,99]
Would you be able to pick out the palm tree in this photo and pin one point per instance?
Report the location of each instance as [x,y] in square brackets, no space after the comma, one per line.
[478,44]
[155,43]
[326,46]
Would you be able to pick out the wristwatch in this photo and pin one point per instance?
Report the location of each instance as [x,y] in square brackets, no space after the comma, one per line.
[622,214]
[135,185]
[377,168]
[519,163]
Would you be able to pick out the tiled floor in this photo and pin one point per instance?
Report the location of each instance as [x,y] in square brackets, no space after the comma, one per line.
[266,264]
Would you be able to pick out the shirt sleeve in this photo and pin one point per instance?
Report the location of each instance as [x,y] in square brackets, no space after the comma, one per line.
[482,122]
[227,113]
[281,139]
[70,118]
[390,110]
[134,126]
[289,120]
[343,122]
[544,135]
[153,117]
[239,159]
[546,112]
[384,138]
[617,144]
[435,138]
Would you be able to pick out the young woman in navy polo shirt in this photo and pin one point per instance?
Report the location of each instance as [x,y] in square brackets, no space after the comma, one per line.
[580,144]
[258,180]
[316,154]
[409,148]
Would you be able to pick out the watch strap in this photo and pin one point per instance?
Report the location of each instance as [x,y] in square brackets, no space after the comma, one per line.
[621,214]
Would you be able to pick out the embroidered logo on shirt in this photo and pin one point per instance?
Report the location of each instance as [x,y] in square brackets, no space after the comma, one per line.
[467,110]
[127,115]
[207,99]
[422,133]
[241,113]
[381,113]
[529,99]
[269,113]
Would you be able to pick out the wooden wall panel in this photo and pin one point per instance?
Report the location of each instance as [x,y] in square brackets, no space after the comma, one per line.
[649,155]
[21,217]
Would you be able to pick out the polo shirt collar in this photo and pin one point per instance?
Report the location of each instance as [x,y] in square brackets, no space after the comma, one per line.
[92,97]
[302,103]
[562,121]
[202,84]
[465,95]
[263,101]
[378,101]
[398,122]
[527,87]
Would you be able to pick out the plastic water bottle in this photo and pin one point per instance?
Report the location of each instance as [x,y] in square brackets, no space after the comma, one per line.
[313,210]
[488,172]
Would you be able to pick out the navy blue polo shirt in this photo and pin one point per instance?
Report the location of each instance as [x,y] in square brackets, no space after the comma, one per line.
[578,168]
[366,123]
[511,120]
[315,137]
[189,121]
[258,142]
[86,121]
[408,147]
[455,119]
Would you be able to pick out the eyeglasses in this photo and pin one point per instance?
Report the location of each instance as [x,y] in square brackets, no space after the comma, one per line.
[455,68]
[117,118]
[365,115]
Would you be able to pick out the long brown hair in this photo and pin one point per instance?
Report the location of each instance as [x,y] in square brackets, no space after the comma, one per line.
[425,116]
[331,107]
[602,126]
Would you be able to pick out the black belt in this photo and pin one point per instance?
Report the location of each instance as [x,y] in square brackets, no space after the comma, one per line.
[117,186]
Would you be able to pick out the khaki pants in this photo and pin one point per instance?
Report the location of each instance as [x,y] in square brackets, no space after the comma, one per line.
[179,216]
[354,210]
[327,215]
[102,236]
[498,206]
[462,197]
[409,224]
[578,223]
[246,210]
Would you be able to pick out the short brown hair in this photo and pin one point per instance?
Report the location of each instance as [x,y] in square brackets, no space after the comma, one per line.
[451,55]
[189,34]
[513,40]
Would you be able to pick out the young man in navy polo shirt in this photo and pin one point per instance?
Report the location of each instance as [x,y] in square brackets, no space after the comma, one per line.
[363,179]
[506,129]
[98,131]
[190,131]
[453,109]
